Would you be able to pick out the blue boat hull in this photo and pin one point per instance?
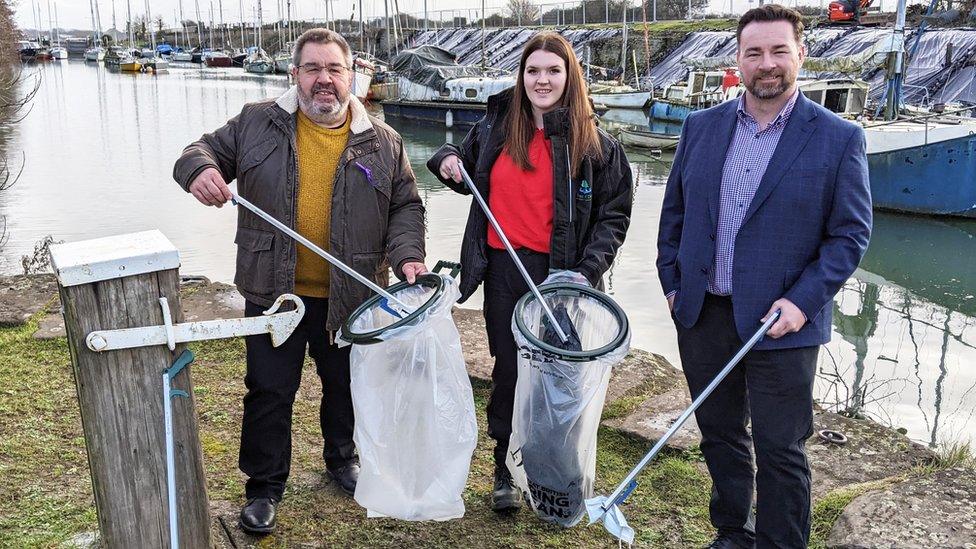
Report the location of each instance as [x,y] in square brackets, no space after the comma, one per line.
[935,179]
[450,114]
[673,112]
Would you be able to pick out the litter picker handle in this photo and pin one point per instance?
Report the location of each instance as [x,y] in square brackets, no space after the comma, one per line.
[628,484]
[511,251]
[236,199]
[455,267]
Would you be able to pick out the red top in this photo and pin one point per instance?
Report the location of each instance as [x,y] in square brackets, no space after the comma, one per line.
[521,200]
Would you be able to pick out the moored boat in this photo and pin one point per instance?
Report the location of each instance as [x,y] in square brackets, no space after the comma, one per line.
[648,140]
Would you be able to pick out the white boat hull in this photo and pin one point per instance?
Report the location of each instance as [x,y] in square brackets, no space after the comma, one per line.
[896,136]
[627,100]
[648,140]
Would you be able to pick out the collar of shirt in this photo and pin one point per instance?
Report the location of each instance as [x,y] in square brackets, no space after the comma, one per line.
[781,119]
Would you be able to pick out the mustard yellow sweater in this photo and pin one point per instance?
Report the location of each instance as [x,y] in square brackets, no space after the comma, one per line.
[319,150]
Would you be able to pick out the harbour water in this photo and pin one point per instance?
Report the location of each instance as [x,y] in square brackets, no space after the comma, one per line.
[98,150]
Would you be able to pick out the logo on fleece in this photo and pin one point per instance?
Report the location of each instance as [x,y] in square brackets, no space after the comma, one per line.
[585,192]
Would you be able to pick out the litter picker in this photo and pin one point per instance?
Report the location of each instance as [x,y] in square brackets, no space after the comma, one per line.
[605,508]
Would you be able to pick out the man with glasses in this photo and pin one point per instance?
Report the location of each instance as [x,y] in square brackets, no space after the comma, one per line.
[314,159]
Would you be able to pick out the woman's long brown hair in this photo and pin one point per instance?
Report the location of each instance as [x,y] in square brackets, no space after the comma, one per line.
[519,125]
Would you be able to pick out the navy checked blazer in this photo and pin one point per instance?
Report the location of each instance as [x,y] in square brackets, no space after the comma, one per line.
[802,236]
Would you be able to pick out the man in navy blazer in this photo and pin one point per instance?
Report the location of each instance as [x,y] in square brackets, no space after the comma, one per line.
[767,207]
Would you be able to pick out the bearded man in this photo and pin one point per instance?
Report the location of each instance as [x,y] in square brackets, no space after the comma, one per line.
[767,208]
[316,161]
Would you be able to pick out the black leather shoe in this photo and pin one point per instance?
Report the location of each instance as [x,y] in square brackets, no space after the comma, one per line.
[258,516]
[728,541]
[505,496]
[346,477]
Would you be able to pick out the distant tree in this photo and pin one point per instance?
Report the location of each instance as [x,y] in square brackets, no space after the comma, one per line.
[523,11]
[160,23]
[9,34]
[674,9]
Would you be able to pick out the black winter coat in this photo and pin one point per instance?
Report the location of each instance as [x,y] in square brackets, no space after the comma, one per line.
[591,213]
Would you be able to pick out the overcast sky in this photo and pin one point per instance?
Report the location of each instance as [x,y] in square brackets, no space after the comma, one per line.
[77,14]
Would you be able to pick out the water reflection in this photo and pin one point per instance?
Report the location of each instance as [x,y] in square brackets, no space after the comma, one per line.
[100,149]
[904,323]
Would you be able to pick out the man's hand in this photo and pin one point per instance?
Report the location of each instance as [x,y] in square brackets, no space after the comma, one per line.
[451,168]
[210,189]
[413,269]
[791,318]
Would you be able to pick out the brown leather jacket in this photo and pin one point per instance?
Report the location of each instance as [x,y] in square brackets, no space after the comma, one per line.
[377,214]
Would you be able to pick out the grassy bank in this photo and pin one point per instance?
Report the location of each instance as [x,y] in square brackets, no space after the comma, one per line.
[44,472]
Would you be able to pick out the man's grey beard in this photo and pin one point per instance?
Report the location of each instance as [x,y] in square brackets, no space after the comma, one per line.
[767,92]
[320,114]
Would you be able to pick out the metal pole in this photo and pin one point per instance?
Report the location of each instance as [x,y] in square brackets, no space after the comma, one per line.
[612,499]
[425,16]
[236,199]
[511,252]
[606,6]
[174,527]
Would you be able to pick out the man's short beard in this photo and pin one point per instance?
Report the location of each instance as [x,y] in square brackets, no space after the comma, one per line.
[318,113]
[769,92]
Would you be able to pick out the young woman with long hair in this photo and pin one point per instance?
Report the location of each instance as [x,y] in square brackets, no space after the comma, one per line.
[561,189]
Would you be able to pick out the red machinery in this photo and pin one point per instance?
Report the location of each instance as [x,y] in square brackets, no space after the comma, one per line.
[845,10]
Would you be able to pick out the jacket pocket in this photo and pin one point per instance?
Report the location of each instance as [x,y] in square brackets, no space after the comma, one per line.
[255,260]
[257,154]
[790,278]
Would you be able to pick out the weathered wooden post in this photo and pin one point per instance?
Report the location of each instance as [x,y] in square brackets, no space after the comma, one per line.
[115,283]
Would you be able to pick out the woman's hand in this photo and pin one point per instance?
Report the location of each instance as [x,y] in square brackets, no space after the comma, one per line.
[451,168]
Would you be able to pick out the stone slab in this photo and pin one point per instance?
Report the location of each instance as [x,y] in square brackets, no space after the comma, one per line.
[653,417]
[872,452]
[935,511]
[23,296]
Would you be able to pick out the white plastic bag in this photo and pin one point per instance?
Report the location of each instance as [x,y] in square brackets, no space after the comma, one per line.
[415,425]
[558,404]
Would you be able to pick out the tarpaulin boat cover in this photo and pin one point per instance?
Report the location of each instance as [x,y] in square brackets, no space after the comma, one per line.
[430,66]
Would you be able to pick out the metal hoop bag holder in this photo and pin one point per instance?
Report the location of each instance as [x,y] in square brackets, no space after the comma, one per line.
[569,336]
[415,425]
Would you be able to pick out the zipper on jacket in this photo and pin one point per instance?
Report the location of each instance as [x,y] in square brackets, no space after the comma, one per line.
[569,184]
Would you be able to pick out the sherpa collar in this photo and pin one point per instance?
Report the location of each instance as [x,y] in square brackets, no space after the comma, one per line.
[360,120]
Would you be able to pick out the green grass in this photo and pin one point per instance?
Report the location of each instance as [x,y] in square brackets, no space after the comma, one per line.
[44,471]
[44,474]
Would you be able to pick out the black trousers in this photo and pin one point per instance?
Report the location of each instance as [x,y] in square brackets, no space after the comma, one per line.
[504,286]
[775,390]
[272,380]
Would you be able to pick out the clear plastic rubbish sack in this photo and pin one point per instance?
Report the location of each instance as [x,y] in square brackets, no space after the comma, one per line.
[415,426]
[558,403]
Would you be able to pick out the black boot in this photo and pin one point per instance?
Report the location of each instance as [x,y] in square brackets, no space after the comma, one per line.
[346,476]
[505,496]
[258,516]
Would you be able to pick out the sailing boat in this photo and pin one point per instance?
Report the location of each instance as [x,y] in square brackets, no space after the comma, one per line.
[181,54]
[124,60]
[620,96]
[58,51]
[259,62]
[215,57]
[95,53]
[154,62]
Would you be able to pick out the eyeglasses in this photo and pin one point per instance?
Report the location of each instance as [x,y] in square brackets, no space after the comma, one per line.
[313,69]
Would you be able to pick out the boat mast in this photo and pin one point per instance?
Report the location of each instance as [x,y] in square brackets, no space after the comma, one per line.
[50,25]
[94,25]
[57,25]
[223,26]
[98,24]
[241,5]
[186,33]
[260,24]
[210,34]
[199,32]
[128,10]
[152,33]
[895,75]
[623,48]
[484,52]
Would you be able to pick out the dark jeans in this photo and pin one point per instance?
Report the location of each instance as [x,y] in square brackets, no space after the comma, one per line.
[504,286]
[775,390]
[272,380]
